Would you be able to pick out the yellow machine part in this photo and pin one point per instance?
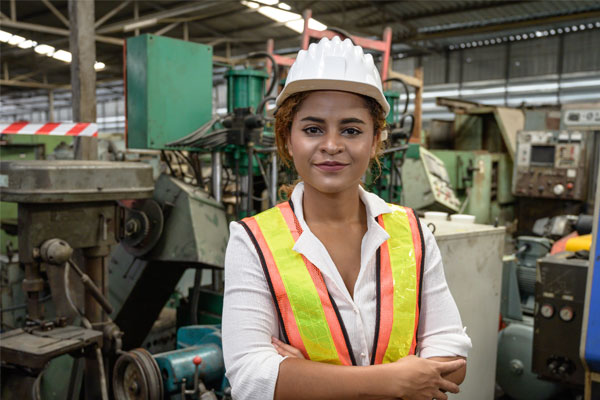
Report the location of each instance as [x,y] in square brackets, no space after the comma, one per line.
[583,242]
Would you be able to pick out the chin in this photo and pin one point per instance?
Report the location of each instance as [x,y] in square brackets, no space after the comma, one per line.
[330,186]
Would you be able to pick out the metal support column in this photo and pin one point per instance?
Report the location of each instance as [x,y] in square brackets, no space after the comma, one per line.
[50,105]
[217,172]
[83,76]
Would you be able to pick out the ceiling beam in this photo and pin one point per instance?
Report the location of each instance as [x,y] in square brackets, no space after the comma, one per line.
[154,18]
[111,14]
[500,27]
[445,12]
[54,31]
[57,13]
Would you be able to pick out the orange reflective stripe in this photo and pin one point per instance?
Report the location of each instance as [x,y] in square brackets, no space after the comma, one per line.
[386,306]
[278,290]
[399,286]
[415,228]
[335,327]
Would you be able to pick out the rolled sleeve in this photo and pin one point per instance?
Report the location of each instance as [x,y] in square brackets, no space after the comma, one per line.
[249,322]
[441,333]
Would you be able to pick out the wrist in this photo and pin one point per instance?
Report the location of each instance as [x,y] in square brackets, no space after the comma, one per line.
[376,382]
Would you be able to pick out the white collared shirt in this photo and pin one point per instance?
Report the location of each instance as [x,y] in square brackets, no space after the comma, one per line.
[250,317]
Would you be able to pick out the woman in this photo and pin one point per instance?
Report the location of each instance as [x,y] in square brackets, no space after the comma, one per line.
[331,295]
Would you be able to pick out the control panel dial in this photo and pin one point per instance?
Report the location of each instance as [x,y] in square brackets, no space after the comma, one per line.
[547,310]
[566,313]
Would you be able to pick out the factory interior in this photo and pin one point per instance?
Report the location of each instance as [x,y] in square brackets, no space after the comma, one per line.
[133,132]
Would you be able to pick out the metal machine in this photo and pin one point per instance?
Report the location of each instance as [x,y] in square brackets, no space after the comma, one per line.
[480,159]
[559,297]
[590,339]
[427,182]
[555,170]
[66,206]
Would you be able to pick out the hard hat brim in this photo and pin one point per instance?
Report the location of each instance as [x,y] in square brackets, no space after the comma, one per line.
[306,85]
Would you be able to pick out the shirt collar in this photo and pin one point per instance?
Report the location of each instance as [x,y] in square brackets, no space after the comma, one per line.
[314,250]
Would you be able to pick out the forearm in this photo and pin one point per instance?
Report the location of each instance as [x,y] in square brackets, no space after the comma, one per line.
[457,376]
[302,379]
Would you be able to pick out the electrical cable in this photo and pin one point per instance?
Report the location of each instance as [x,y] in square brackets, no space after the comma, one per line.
[405,86]
[263,102]
[195,300]
[274,68]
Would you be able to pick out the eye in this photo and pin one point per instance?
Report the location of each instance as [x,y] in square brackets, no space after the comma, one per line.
[312,130]
[352,131]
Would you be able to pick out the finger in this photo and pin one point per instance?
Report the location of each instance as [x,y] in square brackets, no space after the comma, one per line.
[439,396]
[445,367]
[292,350]
[448,386]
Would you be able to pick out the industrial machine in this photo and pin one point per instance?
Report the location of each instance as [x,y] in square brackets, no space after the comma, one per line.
[556,169]
[427,182]
[590,338]
[480,159]
[551,165]
[559,297]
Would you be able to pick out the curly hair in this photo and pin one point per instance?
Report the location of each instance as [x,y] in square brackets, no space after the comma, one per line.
[283,129]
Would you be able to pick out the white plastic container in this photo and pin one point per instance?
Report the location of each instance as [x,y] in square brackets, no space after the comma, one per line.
[463,218]
[436,216]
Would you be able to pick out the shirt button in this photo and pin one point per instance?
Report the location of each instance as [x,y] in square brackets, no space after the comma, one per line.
[356,311]
[363,355]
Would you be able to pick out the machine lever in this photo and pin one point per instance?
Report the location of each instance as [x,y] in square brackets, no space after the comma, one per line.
[91,286]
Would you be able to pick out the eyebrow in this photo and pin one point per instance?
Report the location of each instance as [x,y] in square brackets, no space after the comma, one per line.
[343,121]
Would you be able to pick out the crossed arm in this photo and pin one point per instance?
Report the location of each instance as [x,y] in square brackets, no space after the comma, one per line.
[411,378]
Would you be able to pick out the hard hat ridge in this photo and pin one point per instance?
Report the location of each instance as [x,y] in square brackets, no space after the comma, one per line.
[334,65]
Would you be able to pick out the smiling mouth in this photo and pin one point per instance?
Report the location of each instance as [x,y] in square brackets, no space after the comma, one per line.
[330,166]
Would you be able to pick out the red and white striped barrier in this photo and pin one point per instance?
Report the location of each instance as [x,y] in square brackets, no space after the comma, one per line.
[51,128]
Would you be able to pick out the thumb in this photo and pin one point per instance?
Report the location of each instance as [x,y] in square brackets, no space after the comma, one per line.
[446,367]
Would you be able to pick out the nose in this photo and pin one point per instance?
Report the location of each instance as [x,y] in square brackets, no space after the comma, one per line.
[332,143]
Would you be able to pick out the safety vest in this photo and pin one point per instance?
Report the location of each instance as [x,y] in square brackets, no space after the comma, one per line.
[308,313]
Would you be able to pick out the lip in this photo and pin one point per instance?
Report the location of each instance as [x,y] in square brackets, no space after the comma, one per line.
[331,166]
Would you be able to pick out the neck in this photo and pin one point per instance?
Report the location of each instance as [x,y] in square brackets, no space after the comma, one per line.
[333,208]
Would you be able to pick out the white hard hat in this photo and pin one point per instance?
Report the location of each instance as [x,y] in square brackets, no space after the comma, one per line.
[334,65]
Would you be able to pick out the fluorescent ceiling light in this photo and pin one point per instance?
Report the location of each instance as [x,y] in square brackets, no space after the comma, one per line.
[27,44]
[278,14]
[250,4]
[16,39]
[44,49]
[282,14]
[4,36]
[63,56]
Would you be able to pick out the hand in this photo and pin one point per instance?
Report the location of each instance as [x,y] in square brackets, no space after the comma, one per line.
[285,349]
[421,379]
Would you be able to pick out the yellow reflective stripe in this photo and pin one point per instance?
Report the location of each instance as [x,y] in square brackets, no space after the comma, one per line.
[302,294]
[403,265]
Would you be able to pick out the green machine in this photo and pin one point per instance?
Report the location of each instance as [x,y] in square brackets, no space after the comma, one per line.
[480,159]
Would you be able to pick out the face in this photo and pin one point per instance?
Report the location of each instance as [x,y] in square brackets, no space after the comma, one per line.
[332,140]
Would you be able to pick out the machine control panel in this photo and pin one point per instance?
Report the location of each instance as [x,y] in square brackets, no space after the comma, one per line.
[439,180]
[584,117]
[550,164]
[558,316]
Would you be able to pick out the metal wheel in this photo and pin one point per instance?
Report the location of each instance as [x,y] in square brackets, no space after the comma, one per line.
[149,216]
[136,376]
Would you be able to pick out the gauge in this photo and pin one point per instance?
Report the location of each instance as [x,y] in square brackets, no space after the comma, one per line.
[547,310]
[566,313]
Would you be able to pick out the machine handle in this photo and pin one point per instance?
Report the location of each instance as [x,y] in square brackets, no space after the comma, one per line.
[91,286]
